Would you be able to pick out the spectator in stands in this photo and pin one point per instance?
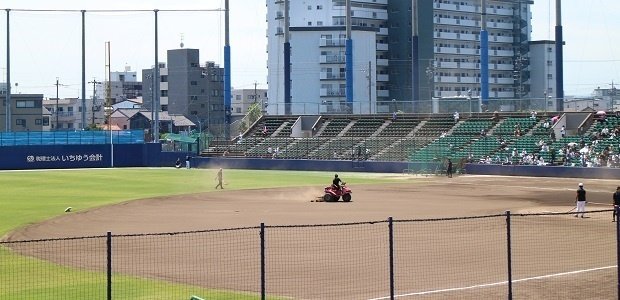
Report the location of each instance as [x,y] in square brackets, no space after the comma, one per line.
[449,168]
[394,116]
[359,152]
[367,154]
[240,138]
[456,116]
[270,151]
[552,135]
[605,131]
[443,134]
[335,155]
[563,131]
[533,115]
[546,124]
[264,132]
[483,132]
[495,117]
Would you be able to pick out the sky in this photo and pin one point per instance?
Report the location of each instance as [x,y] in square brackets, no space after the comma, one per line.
[47,45]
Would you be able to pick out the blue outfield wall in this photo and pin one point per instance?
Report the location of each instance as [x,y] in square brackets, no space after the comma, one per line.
[300,164]
[79,156]
[150,155]
[543,171]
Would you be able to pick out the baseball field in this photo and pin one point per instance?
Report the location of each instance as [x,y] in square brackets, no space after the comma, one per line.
[447,257]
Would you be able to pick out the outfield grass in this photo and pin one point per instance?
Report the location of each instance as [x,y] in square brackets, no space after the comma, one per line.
[33,196]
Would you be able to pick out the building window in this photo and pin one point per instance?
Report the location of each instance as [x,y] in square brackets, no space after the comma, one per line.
[21,122]
[309,23]
[319,23]
[238,109]
[549,49]
[549,76]
[25,104]
[164,78]
[193,82]
[69,125]
[46,121]
[319,7]
[549,63]
[38,122]
[164,93]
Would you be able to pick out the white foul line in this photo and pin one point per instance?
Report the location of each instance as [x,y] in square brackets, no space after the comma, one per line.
[495,283]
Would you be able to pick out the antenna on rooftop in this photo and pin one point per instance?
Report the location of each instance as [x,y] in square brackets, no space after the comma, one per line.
[182,41]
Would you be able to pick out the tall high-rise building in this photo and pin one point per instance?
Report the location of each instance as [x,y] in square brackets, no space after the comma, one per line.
[448,54]
[188,88]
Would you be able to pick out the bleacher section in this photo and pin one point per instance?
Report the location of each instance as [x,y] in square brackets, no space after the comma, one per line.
[417,138]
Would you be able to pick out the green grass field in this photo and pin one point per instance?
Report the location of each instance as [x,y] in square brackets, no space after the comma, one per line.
[33,196]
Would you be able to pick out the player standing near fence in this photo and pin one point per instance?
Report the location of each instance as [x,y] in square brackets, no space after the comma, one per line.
[219,177]
[616,198]
[580,199]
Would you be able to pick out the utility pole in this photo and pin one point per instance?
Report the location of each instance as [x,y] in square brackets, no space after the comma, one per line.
[56,109]
[94,82]
[369,77]
[255,83]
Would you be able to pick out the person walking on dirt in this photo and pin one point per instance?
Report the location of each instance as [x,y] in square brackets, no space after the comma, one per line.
[336,182]
[616,198]
[449,169]
[580,199]
[219,177]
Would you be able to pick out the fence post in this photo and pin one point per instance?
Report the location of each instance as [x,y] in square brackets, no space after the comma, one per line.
[262,261]
[509,254]
[109,267]
[616,218]
[391,241]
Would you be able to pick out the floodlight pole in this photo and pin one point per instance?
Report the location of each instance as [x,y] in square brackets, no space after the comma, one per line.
[83,69]
[155,105]
[7,127]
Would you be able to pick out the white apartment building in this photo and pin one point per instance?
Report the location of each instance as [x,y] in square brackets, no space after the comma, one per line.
[317,37]
[242,99]
[543,73]
[448,53]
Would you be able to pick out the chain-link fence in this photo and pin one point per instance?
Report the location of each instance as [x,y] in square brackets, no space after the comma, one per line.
[521,256]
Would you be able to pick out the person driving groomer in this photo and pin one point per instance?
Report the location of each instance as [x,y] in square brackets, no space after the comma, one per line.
[336,182]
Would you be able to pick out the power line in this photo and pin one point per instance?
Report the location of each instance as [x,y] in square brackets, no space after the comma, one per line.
[115,10]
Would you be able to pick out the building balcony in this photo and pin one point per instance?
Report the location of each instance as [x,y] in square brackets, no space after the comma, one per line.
[502,39]
[383,77]
[376,14]
[501,11]
[383,93]
[332,93]
[500,25]
[382,62]
[332,76]
[332,59]
[383,31]
[384,2]
[502,80]
[508,53]
[382,47]
[332,42]
[503,67]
